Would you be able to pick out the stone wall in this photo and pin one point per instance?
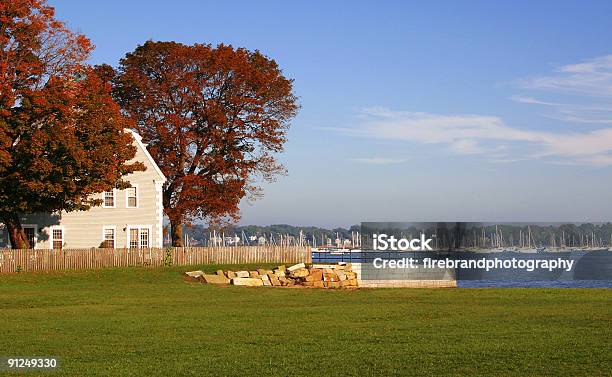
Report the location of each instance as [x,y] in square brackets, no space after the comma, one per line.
[370,277]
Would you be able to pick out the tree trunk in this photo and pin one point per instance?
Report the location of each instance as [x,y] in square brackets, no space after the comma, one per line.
[176,232]
[15,231]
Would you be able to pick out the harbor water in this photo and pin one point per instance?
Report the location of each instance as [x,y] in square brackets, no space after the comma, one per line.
[591,269]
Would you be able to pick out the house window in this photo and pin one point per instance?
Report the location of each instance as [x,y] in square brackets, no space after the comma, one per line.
[133,238]
[57,238]
[131,197]
[144,237]
[109,237]
[109,199]
[30,234]
[139,237]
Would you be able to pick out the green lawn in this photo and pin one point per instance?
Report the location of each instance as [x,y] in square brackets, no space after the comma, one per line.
[151,322]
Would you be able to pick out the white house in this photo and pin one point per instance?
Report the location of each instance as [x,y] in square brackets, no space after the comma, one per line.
[127,218]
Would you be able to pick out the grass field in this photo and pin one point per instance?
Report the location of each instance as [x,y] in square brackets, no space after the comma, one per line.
[151,322]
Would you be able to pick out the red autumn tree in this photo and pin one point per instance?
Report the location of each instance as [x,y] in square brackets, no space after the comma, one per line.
[62,136]
[213,118]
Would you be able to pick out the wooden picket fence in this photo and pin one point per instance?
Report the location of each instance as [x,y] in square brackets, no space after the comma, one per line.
[48,260]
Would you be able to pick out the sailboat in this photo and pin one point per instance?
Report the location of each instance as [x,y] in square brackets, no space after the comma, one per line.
[530,249]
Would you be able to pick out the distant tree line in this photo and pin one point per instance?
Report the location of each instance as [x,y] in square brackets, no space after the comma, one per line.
[501,235]
[201,233]
[585,234]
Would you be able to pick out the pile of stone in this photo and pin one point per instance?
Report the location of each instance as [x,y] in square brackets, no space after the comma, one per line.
[300,275]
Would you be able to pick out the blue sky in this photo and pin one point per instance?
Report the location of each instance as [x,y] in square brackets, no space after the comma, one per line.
[413,111]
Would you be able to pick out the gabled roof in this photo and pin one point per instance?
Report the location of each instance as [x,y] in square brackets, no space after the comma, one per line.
[138,139]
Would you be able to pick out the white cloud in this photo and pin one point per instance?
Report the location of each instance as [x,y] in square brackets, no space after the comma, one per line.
[535,101]
[580,119]
[529,100]
[432,128]
[466,146]
[592,78]
[484,135]
[570,112]
[586,89]
[587,84]
[379,160]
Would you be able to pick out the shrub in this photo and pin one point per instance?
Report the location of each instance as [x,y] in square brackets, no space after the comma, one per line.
[168,256]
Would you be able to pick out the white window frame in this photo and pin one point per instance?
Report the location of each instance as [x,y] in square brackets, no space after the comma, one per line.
[139,227]
[35,226]
[149,237]
[114,228]
[51,239]
[114,199]
[135,187]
